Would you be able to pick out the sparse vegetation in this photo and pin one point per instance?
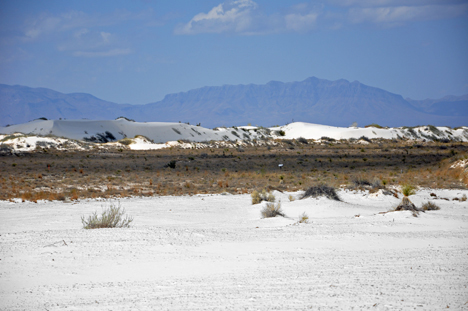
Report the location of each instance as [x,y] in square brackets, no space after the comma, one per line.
[375,125]
[303,218]
[258,197]
[430,206]
[321,191]
[126,141]
[112,217]
[272,210]
[114,173]
[171,164]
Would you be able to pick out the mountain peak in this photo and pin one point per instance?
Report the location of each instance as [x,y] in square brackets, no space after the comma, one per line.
[313,100]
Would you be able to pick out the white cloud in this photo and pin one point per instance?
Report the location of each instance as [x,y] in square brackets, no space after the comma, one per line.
[387,3]
[298,22]
[230,16]
[244,17]
[401,14]
[81,34]
[113,52]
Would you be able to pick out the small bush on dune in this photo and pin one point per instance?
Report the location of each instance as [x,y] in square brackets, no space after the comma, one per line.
[272,210]
[376,183]
[374,125]
[359,181]
[408,190]
[126,141]
[429,206]
[112,217]
[258,197]
[303,218]
[321,191]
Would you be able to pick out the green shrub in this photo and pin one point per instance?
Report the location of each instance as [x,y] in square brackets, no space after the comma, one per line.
[374,125]
[280,133]
[408,190]
[258,197]
[272,210]
[112,217]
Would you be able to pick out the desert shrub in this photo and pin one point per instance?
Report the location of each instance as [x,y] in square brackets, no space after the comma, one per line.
[359,181]
[463,198]
[302,140]
[126,141]
[112,217]
[365,139]
[321,191]
[429,206]
[408,190]
[128,119]
[303,218]
[171,164]
[272,210]
[374,125]
[280,133]
[327,138]
[291,198]
[376,183]
[258,197]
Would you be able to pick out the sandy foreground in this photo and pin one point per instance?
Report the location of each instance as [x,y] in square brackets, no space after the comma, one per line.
[214,252]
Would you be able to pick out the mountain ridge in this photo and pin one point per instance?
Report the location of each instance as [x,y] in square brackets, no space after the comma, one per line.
[314,100]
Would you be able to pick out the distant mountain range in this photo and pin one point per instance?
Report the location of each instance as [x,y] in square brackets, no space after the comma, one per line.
[338,103]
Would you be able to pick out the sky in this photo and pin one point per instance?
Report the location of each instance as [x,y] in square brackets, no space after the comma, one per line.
[138,51]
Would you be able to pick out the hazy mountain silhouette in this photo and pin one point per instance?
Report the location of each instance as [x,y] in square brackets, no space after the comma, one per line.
[314,100]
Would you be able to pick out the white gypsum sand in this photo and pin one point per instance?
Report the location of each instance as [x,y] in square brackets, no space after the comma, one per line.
[214,252]
[157,135]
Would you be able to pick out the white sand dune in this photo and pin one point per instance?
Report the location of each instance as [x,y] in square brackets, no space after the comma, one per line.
[158,134]
[215,252]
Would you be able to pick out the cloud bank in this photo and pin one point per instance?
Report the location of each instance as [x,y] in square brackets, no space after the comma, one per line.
[245,17]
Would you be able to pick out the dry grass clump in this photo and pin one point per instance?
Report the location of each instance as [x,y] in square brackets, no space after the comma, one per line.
[321,191]
[429,206]
[303,218]
[111,217]
[258,197]
[272,210]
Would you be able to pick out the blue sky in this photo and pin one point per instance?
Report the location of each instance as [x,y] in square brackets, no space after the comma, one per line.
[138,51]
